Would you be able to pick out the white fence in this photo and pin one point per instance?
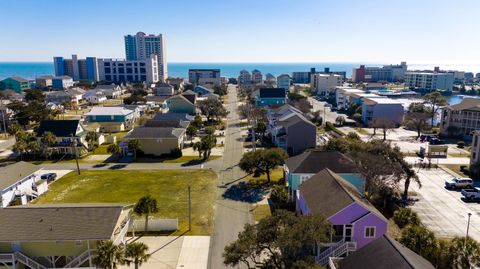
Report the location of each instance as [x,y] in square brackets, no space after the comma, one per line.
[155,225]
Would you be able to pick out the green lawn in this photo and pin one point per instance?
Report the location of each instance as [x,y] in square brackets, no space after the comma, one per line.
[275,176]
[101,150]
[169,187]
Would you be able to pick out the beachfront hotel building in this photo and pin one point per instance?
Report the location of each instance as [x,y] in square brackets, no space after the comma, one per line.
[390,73]
[140,47]
[429,81]
[114,70]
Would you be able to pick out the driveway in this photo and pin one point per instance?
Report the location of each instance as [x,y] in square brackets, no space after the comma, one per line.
[443,211]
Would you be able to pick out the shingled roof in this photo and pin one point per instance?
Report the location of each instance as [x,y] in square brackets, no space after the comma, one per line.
[13,173]
[382,253]
[58,222]
[314,161]
[272,93]
[326,193]
[60,128]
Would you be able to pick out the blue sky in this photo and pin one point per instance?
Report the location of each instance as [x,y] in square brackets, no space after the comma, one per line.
[418,31]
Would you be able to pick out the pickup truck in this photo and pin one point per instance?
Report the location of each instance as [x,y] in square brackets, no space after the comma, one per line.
[471,193]
[459,183]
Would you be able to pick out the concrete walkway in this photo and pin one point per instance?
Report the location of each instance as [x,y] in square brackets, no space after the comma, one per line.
[449,160]
[167,252]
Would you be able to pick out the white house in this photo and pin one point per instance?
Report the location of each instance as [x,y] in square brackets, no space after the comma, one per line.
[94,97]
[20,181]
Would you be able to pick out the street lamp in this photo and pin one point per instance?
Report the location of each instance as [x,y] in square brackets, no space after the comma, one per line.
[468,226]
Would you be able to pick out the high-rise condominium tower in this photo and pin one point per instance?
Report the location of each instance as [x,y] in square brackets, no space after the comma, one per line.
[140,46]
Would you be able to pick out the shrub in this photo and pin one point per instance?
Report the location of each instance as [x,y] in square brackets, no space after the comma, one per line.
[279,195]
[176,153]
[405,216]
[329,127]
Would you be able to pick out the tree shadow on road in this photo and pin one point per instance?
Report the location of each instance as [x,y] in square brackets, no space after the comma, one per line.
[245,192]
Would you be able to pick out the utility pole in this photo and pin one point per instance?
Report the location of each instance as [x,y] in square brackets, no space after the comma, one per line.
[189,210]
[74,143]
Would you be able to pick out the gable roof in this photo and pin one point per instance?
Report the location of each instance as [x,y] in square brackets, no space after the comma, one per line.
[19,79]
[155,132]
[312,162]
[109,111]
[272,93]
[467,103]
[11,174]
[106,87]
[327,187]
[184,98]
[202,88]
[58,222]
[172,116]
[60,128]
[326,193]
[384,252]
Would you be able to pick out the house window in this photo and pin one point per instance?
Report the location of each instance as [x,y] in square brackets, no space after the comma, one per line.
[369,232]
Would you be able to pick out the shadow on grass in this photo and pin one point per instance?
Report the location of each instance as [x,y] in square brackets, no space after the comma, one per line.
[245,192]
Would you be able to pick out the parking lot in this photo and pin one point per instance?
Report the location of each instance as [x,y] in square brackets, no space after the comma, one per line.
[443,211]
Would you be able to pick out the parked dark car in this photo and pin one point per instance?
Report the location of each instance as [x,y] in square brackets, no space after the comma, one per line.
[435,141]
[49,177]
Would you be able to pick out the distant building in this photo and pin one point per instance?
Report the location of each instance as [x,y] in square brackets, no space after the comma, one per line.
[390,73]
[284,81]
[375,109]
[17,84]
[112,119]
[62,82]
[44,81]
[342,96]
[323,83]
[461,119]
[204,76]
[78,69]
[68,133]
[245,78]
[301,77]
[429,81]
[163,89]
[177,83]
[141,46]
[115,70]
[270,78]
[477,75]
[257,76]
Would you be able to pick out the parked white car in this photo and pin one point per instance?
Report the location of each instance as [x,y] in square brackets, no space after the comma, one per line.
[459,183]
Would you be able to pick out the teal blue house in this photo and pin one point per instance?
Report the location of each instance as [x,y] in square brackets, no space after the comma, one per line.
[112,119]
[299,168]
[267,97]
[182,103]
[17,84]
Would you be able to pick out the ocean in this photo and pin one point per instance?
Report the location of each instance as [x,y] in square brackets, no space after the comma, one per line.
[30,70]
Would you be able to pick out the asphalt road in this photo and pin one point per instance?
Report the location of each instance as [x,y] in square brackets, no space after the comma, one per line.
[230,216]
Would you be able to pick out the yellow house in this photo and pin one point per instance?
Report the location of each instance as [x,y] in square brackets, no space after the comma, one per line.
[58,236]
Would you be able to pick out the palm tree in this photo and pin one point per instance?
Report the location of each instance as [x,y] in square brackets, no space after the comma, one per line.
[108,255]
[48,140]
[145,206]
[91,138]
[138,252]
[409,176]
[465,252]
[134,145]
[114,149]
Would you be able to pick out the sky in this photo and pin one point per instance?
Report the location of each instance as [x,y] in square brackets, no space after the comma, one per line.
[370,31]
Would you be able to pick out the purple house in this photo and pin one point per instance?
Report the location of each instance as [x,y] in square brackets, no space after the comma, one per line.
[355,221]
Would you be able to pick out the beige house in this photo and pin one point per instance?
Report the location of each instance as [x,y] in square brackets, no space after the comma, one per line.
[461,119]
[59,236]
[156,141]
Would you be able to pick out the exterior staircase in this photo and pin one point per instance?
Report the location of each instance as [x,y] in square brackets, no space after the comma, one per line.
[80,259]
[27,261]
[336,250]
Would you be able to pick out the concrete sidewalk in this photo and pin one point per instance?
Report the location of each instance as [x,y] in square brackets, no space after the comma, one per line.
[449,160]
[194,253]
[169,252]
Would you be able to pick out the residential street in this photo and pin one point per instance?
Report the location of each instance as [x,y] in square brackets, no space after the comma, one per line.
[230,216]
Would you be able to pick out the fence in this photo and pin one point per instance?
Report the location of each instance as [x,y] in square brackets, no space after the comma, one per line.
[154,225]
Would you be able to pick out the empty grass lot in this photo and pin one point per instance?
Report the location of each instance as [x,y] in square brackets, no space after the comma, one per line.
[169,187]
